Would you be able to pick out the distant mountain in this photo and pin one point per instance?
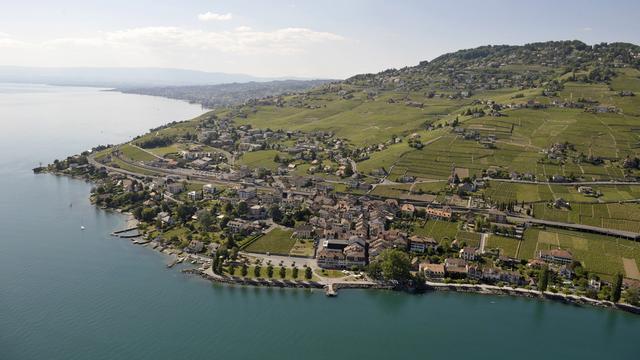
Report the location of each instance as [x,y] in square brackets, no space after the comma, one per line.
[212,96]
[119,77]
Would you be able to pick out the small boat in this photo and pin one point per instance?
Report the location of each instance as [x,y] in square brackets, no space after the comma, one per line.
[81,227]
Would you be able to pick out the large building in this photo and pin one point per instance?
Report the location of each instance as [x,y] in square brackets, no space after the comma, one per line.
[342,254]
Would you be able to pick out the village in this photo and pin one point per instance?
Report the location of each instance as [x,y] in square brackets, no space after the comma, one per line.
[240,222]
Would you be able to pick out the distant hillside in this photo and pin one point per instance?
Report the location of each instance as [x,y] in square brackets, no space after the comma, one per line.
[119,77]
[212,96]
[507,66]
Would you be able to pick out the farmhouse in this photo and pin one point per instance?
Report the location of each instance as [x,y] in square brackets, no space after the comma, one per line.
[558,256]
[444,213]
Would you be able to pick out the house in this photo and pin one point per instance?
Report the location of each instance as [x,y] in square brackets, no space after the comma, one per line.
[586,190]
[194,195]
[195,247]
[432,271]
[421,244]
[175,188]
[247,193]
[497,216]
[558,256]
[443,213]
[165,218]
[455,267]
[209,189]
[257,212]
[237,225]
[408,209]
[469,253]
[303,231]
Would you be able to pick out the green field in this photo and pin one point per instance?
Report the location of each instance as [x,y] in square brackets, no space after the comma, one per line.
[469,238]
[507,246]
[508,192]
[613,216]
[277,242]
[263,158]
[600,254]
[135,153]
[439,230]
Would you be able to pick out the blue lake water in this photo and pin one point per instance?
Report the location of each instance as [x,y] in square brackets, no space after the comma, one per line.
[71,294]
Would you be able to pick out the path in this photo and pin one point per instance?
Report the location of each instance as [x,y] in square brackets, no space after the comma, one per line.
[483,242]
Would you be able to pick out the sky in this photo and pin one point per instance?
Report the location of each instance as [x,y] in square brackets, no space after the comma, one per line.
[315,39]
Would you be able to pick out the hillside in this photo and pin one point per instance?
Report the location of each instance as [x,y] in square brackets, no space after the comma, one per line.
[509,105]
[213,96]
[554,110]
[546,133]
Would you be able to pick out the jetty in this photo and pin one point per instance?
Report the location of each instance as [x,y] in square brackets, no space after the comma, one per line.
[125,233]
[330,291]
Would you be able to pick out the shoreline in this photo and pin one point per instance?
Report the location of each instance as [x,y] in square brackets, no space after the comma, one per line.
[332,288]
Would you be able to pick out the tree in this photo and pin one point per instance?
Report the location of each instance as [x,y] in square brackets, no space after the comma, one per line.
[391,264]
[308,274]
[276,213]
[232,269]
[256,271]
[283,272]
[243,208]
[294,272]
[185,212]
[543,279]
[148,214]
[617,288]
[205,219]
[270,271]
[245,270]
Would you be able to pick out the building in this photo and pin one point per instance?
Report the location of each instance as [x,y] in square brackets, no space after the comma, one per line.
[443,213]
[175,188]
[455,267]
[303,231]
[469,253]
[342,254]
[237,225]
[432,271]
[194,195]
[247,193]
[209,189]
[257,212]
[195,247]
[408,209]
[497,216]
[558,256]
[421,244]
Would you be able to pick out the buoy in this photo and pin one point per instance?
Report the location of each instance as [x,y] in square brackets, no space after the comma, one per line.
[81,227]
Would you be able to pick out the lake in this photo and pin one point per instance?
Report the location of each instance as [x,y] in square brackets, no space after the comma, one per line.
[72,294]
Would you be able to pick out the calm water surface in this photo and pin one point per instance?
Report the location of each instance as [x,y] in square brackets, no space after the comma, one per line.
[71,294]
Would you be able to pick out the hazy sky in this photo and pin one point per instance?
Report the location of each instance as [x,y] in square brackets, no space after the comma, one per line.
[291,38]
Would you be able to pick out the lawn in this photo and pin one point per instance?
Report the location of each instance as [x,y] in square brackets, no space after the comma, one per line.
[277,242]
